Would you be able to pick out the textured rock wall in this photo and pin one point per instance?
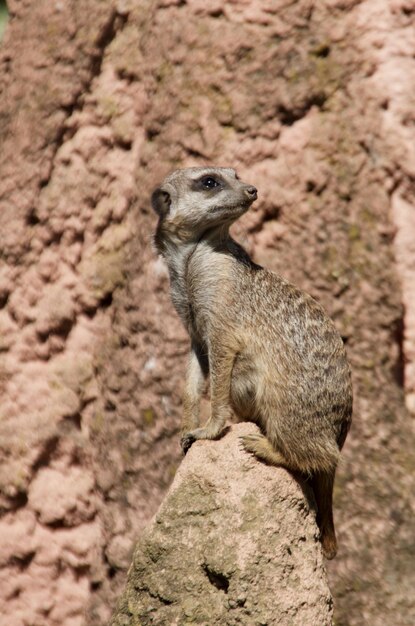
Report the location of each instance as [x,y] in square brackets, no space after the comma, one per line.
[310,101]
[235,542]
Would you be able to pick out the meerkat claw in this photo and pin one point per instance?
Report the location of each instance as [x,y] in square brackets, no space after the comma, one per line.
[186,442]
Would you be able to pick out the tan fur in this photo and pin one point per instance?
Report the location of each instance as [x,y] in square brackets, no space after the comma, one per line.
[271,353]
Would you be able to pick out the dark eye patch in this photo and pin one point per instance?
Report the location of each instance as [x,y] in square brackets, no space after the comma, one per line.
[208,183]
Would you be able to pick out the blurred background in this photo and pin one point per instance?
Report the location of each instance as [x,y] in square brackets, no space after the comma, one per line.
[312,102]
[4,14]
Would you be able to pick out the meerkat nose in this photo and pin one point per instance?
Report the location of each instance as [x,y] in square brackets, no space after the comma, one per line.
[251,192]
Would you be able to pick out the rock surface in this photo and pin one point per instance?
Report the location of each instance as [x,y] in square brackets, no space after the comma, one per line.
[234,543]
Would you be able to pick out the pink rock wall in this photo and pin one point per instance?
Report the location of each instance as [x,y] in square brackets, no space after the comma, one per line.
[389,40]
[310,102]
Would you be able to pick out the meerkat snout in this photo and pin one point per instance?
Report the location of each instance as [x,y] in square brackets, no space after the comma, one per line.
[252,193]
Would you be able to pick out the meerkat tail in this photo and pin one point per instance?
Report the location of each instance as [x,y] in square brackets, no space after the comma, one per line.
[259,446]
[323,491]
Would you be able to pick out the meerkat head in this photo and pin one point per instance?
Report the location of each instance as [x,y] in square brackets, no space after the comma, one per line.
[191,201]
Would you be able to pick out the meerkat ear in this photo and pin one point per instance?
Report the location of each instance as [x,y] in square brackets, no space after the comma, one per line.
[161,201]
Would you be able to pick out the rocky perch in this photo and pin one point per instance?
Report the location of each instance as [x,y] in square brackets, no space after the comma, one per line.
[234,543]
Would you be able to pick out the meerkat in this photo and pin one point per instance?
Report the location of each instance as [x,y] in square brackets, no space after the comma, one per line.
[269,350]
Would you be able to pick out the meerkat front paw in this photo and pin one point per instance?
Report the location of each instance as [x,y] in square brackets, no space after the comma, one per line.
[189,438]
[208,432]
[186,442]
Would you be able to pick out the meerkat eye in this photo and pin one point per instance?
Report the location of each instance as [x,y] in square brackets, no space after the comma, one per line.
[209,183]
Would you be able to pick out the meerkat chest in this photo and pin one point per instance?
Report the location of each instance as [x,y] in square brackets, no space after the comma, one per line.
[189,292]
[209,290]
[192,306]
[201,287]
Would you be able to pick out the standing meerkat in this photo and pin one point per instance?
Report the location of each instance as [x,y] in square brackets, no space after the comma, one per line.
[271,353]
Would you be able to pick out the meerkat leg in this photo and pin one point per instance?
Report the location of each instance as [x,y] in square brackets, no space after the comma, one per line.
[323,491]
[193,391]
[261,447]
[322,483]
[220,366]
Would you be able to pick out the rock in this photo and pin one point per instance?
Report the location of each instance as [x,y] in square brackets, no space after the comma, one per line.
[234,542]
[63,497]
[56,311]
